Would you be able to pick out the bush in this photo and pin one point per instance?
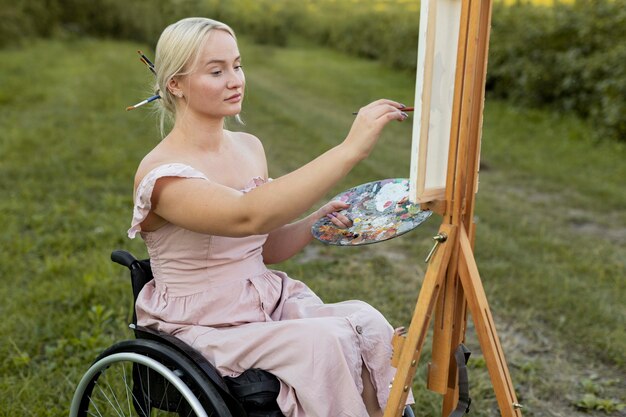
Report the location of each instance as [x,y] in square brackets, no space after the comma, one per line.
[26,19]
[568,57]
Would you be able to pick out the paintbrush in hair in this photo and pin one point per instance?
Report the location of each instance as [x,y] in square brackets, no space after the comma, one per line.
[146,61]
[148,65]
[146,101]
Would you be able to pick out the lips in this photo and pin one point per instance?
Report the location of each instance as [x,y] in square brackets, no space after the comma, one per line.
[234,97]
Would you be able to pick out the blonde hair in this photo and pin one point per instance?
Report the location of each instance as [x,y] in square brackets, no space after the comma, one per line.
[176,54]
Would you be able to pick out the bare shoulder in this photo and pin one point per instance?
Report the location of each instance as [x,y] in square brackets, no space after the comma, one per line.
[254,148]
[248,140]
[158,156]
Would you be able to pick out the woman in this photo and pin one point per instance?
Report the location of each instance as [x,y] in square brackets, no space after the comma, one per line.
[212,220]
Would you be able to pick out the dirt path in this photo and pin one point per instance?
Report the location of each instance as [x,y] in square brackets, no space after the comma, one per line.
[552,379]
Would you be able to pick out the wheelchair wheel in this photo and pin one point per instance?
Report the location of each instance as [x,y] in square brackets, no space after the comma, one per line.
[145,378]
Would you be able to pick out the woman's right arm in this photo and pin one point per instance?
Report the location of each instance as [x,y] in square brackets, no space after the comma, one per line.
[207,207]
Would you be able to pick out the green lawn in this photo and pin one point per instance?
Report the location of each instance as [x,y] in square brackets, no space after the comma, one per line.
[550,243]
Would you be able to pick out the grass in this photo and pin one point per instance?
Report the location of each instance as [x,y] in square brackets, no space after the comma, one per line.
[550,242]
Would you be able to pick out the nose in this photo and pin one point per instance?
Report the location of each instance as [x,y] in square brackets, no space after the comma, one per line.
[236,80]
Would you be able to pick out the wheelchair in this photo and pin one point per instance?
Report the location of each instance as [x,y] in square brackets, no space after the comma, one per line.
[157,374]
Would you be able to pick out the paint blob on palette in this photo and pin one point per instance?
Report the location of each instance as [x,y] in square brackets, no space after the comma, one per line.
[379,210]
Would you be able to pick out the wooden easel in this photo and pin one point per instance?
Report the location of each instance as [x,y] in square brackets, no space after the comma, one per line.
[452,282]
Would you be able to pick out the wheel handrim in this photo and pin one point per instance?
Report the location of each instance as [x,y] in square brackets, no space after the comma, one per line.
[107,389]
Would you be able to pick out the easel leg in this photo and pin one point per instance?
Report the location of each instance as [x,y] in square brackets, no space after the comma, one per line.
[438,368]
[486,330]
[412,345]
[451,396]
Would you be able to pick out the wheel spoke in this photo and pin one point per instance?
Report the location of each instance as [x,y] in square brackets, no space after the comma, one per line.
[189,414]
[142,393]
[92,414]
[149,395]
[96,407]
[117,410]
[126,389]
[180,400]
[165,389]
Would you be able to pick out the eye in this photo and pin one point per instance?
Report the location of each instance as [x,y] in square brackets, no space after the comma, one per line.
[238,67]
[216,73]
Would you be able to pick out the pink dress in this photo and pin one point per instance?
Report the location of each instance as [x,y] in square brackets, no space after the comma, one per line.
[216,294]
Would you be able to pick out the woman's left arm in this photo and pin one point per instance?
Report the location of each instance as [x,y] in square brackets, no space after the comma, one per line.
[287,241]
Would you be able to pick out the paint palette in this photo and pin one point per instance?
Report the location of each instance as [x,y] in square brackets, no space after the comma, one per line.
[379,211]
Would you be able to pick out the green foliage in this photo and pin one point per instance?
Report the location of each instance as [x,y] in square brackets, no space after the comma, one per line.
[141,20]
[592,402]
[594,397]
[568,57]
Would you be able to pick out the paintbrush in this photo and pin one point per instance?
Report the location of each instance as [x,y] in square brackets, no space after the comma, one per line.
[146,101]
[401,109]
[146,61]
[148,65]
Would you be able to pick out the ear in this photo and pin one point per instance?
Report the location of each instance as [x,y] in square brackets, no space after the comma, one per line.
[173,85]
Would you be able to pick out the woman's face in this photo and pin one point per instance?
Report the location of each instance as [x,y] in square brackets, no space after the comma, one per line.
[215,85]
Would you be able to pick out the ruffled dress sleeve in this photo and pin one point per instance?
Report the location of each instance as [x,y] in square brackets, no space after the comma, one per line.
[143,196]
